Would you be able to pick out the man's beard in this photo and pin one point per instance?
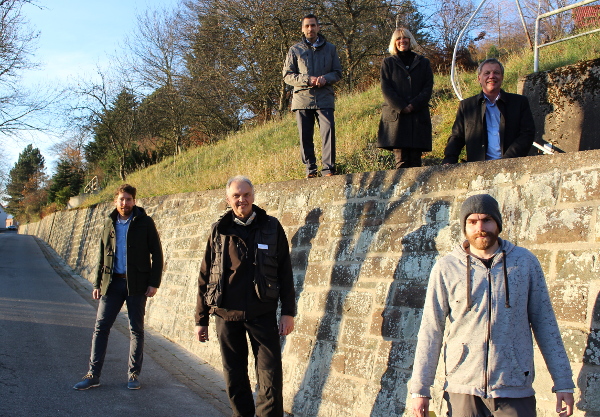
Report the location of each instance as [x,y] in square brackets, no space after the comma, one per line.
[483,244]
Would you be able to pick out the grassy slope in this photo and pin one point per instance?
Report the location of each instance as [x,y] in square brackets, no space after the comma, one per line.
[270,153]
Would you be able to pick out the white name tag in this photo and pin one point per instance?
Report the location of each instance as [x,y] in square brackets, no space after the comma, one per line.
[263,246]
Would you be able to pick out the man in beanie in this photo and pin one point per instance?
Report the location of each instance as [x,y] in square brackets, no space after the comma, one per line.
[494,295]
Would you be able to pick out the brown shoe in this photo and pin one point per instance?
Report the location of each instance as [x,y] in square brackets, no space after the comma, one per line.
[312,175]
[329,175]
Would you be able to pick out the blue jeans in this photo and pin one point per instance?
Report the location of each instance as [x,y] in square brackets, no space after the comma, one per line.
[110,305]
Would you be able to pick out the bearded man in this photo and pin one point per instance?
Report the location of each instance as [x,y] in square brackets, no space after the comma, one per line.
[494,295]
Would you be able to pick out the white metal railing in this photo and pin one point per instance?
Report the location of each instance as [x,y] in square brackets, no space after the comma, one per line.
[91,186]
[551,13]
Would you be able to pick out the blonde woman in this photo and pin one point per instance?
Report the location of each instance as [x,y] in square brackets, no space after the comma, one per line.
[406,83]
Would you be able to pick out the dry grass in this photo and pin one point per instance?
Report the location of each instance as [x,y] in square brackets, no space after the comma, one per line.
[270,153]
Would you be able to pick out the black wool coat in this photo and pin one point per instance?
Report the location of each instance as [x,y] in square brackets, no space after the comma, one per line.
[401,87]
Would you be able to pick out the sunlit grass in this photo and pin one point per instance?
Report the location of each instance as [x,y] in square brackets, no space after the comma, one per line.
[270,153]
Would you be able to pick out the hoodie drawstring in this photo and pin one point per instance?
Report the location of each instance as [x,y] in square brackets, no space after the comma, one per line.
[468,283]
[506,294]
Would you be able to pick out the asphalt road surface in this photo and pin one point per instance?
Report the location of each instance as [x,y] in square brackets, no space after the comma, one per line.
[46,327]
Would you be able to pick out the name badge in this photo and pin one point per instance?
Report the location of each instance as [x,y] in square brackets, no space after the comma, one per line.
[263,246]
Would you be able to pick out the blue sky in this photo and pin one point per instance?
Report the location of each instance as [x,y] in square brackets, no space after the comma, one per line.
[75,37]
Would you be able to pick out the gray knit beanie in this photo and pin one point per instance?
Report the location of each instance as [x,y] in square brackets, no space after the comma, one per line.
[480,203]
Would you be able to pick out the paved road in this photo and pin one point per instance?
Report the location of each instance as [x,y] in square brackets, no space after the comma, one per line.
[45,333]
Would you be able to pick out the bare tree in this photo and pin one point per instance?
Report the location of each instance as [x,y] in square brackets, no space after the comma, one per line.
[156,62]
[18,106]
[361,30]
[107,111]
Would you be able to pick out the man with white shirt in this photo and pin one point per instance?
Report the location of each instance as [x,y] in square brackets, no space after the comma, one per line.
[493,124]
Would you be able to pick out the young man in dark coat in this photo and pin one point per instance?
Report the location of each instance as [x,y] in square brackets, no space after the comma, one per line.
[129,271]
[493,124]
[246,271]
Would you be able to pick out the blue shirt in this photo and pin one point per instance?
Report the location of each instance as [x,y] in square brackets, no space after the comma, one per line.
[121,228]
[492,121]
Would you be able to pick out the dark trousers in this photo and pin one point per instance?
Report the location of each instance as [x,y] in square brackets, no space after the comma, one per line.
[264,339]
[463,405]
[306,128]
[407,158]
[110,305]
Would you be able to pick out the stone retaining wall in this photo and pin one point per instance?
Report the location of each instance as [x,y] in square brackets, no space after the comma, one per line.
[362,248]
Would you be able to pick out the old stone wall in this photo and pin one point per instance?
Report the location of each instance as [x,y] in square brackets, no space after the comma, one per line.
[362,248]
[565,103]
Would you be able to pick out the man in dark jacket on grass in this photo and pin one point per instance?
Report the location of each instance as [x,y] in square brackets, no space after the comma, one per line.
[493,124]
[129,270]
[245,272]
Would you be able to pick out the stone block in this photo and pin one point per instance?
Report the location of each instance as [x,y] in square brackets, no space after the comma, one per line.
[580,186]
[592,349]
[577,266]
[400,323]
[575,341]
[344,275]
[591,395]
[357,304]
[353,333]
[555,226]
[569,301]
[408,294]
[317,275]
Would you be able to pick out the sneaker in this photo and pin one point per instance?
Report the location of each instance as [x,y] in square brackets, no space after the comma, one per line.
[89,381]
[312,175]
[133,382]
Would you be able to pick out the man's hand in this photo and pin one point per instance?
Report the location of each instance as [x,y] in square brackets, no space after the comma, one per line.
[151,291]
[421,406]
[317,81]
[96,294]
[286,325]
[202,333]
[568,399]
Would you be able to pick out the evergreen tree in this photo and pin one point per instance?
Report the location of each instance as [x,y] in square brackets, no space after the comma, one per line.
[66,183]
[26,178]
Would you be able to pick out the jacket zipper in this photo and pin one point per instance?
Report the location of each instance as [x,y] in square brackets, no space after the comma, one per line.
[488,335]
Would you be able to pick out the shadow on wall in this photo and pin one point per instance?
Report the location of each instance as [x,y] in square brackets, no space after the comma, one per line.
[300,252]
[404,305]
[588,380]
[362,223]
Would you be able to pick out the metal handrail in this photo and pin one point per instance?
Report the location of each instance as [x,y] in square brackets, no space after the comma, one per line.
[91,186]
[536,53]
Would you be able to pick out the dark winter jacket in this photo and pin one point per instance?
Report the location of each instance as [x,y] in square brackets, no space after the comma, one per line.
[234,257]
[304,60]
[144,253]
[401,87]
[517,129]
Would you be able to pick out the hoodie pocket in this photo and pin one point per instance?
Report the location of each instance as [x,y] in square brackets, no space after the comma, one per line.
[507,369]
[454,358]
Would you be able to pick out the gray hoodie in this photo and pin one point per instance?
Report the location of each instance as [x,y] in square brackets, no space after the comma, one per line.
[487,342]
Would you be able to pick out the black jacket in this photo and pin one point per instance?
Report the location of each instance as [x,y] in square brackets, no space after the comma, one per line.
[401,87]
[144,253]
[232,256]
[517,129]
